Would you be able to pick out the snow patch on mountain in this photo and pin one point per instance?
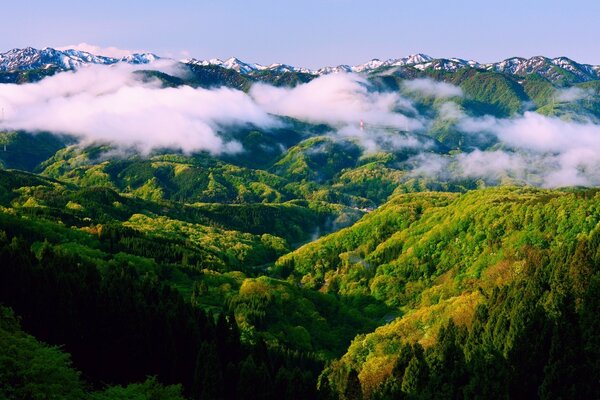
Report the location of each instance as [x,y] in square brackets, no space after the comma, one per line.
[30,58]
[553,69]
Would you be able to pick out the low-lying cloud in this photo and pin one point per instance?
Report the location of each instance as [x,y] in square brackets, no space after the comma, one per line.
[573,146]
[338,100]
[112,104]
[429,87]
[373,140]
[538,150]
[572,94]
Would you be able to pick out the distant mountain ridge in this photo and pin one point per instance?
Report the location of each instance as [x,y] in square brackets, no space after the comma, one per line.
[551,68]
[30,58]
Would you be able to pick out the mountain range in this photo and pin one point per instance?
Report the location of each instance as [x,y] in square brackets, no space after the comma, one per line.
[30,58]
[552,68]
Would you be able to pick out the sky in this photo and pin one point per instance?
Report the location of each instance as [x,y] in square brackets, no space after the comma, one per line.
[312,33]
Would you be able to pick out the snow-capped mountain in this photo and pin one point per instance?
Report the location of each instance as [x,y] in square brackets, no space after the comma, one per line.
[139,58]
[277,67]
[231,63]
[368,66]
[245,68]
[553,69]
[549,68]
[444,64]
[30,58]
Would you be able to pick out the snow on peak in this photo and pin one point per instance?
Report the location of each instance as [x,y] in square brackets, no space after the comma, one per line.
[139,58]
[231,63]
[368,66]
[418,58]
[545,67]
[30,58]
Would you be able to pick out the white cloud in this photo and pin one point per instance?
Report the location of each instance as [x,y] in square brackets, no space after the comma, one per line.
[560,153]
[491,164]
[373,140]
[572,94]
[110,104]
[110,51]
[539,133]
[429,87]
[431,165]
[336,99]
[450,111]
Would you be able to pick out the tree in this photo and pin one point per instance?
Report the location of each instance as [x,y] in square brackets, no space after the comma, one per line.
[353,389]
[208,376]
[488,375]
[255,382]
[150,389]
[32,370]
[417,373]
[566,373]
[447,361]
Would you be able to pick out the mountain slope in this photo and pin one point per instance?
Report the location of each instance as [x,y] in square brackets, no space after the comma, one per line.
[436,257]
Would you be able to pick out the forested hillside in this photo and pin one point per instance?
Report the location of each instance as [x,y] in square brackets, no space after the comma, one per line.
[478,280]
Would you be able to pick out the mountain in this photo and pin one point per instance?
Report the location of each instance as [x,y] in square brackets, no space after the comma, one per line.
[246,68]
[231,63]
[509,281]
[243,67]
[489,292]
[558,70]
[413,59]
[31,59]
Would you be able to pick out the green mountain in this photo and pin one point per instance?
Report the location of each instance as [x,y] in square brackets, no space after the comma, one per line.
[26,151]
[440,257]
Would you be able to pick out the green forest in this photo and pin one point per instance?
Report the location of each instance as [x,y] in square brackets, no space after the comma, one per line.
[304,267]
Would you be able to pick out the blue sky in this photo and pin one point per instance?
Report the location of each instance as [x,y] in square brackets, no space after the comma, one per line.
[312,33]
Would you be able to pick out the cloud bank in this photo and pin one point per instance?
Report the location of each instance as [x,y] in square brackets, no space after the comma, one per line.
[112,104]
[338,100]
[572,94]
[537,149]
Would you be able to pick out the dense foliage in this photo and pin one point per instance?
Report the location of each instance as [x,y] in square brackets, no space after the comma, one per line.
[121,326]
[512,268]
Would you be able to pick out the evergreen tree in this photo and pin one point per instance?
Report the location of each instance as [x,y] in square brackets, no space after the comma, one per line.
[254,382]
[208,375]
[447,363]
[566,373]
[353,390]
[488,375]
[416,375]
